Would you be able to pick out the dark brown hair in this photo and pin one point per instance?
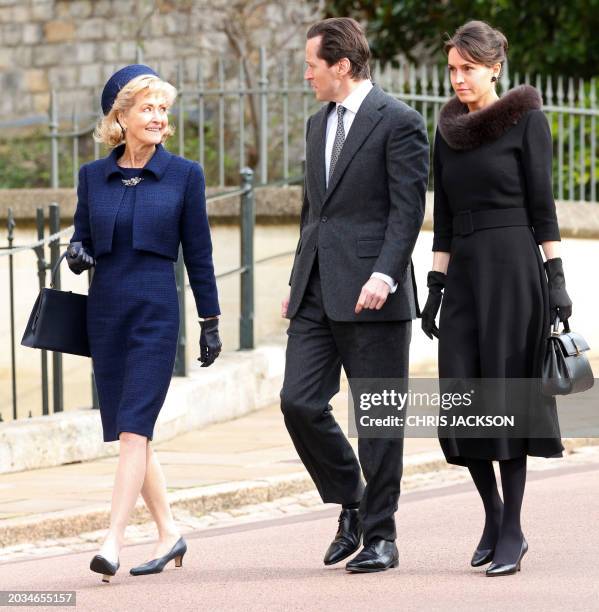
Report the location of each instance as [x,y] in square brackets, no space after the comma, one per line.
[343,37]
[479,42]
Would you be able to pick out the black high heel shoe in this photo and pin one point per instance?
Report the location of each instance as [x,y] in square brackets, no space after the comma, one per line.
[482,556]
[504,569]
[155,566]
[101,565]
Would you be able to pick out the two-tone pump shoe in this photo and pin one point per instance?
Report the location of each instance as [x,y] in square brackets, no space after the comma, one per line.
[101,565]
[348,537]
[505,569]
[155,566]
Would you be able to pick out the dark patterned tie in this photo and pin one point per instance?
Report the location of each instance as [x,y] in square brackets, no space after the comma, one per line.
[339,140]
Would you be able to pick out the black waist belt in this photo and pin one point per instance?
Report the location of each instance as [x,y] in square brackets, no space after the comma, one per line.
[466,222]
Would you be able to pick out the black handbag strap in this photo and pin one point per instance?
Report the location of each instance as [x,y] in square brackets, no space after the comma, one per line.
[55,269]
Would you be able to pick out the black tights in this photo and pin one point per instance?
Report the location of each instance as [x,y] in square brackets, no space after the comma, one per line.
[502,529]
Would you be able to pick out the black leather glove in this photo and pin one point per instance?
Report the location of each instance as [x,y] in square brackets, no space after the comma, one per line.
[210,343]
[78,259]
[560,304]
[435,281]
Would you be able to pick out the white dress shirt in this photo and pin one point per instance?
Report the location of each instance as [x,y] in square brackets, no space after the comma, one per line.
[351,104]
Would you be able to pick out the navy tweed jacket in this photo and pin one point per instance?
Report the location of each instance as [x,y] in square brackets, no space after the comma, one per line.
[170,209]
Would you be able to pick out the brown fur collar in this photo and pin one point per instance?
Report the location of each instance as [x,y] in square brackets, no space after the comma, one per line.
[462,130]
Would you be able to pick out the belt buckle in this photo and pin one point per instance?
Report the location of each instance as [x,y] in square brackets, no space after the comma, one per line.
[465,225]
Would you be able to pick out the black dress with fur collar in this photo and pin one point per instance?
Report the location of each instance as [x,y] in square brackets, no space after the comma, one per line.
[494,317]
[467,130]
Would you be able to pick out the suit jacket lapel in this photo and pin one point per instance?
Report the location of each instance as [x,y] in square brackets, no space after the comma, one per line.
[364,122]
[316,151]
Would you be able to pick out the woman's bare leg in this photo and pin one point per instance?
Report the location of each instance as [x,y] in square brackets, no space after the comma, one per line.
[155,497]
[129,478]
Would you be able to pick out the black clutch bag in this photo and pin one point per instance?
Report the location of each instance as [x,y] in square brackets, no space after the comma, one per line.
[566,368]
[58,321]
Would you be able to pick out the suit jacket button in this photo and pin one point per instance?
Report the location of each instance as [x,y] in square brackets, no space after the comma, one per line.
[323,219]
[314,248]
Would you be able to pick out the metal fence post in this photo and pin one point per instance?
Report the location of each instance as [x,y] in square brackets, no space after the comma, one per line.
[54,140]
[263,83]
[180,361]
[75,146]
[11,224]
[57,387]
[246,319]
[41,274]
[201,116]
[221,122]
[180,110]
[95,398]
[285,95]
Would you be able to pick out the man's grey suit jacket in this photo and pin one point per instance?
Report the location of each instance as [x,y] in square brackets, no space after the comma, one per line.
[370,216]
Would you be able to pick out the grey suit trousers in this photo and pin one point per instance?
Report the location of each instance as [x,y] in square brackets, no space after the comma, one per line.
[317,348]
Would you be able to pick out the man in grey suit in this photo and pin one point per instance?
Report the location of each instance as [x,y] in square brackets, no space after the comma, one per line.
[352,297]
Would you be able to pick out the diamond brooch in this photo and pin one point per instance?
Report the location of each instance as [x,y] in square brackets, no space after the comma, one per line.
[132,182]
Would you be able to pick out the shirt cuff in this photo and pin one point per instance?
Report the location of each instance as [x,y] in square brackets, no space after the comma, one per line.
[392,284]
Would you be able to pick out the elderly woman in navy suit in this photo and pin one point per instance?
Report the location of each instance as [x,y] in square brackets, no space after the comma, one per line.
[134,209]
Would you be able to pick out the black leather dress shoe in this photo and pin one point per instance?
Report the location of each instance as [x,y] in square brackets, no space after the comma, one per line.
[505,569]
[378,556]
[482,556]
[101,565]
[348,537]
[155,566]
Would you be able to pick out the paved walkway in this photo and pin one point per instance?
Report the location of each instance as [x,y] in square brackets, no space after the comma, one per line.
[271,558]
[245,449]
[221,468]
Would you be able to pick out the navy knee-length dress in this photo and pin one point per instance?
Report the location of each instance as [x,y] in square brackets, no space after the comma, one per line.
[134,233]
[133,323]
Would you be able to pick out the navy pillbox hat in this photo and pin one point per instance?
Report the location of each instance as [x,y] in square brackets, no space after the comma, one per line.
[118,80]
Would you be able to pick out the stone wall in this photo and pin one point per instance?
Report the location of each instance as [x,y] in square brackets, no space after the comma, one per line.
[273,205]
[75,45]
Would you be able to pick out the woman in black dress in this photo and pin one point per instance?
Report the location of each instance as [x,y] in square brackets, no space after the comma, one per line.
[134,208]
[493,207]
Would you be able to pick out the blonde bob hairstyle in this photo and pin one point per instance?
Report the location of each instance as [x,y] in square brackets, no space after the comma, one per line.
[109,130]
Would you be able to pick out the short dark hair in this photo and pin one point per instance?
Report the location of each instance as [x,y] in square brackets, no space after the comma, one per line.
[478,41]
[343,37]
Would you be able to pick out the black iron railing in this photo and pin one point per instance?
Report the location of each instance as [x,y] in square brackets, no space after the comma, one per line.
[54,244]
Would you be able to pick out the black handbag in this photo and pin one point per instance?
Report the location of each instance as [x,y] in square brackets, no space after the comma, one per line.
[58,321]
[566,368]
